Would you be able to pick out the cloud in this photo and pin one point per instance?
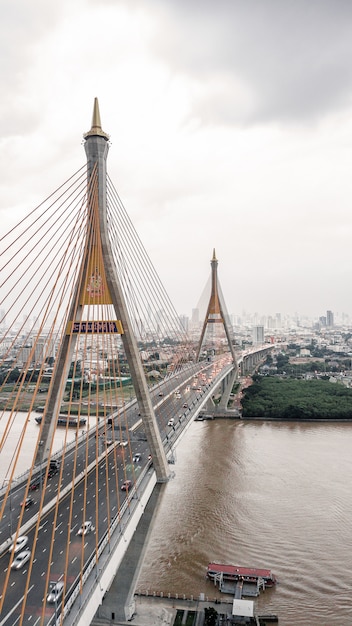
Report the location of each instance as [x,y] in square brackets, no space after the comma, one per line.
[230,127]
[23,24]
[261,61]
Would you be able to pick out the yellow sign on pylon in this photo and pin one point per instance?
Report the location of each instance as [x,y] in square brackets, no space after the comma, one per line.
[95,327]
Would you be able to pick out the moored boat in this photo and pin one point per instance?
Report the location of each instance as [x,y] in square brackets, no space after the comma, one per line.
[234,573]
[72,421]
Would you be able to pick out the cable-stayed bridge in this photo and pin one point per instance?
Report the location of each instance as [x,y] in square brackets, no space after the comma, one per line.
[91,345]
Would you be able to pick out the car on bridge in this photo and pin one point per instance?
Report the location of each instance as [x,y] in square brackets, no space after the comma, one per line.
[27,502]
[21,559]
[21,542]
[171,421]
[55,592]
[86,528]
[126,485]
[52,471]
[36,482]
[137,457]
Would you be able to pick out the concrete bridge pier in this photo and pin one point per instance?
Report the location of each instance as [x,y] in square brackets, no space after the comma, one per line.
[227,386]
[250,361]
[118,605]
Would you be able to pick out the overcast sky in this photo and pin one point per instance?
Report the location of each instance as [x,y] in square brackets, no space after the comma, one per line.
[230,125]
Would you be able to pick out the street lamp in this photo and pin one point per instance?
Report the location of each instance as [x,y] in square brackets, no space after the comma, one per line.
[41,443]
[6,482]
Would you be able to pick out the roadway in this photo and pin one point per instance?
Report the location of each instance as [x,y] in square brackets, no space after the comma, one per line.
[88,486]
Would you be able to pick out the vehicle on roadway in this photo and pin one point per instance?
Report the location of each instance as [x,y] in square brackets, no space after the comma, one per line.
[52,471]
[55,592]
[27,502]
[21,543]
[126,485]
[86,528]
[137,457]
[171,421]
[36,482]
[21,558]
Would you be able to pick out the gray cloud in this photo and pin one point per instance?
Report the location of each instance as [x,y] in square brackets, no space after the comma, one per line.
[288,61]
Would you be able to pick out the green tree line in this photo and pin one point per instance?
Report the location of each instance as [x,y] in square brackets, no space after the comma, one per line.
[277,398]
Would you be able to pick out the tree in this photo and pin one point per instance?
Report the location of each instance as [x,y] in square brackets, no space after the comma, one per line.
[210,616]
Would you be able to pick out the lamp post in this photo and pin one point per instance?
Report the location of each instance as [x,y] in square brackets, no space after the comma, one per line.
[41,443]
[6,482]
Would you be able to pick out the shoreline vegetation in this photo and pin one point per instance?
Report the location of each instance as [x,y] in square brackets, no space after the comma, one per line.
[270,397]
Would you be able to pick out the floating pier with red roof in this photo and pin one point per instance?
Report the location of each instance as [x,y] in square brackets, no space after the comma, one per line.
[247,581]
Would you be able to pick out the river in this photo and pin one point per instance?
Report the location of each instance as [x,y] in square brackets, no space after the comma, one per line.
[260,494]
[19,427]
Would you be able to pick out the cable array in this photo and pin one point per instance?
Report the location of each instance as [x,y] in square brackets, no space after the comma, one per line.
[52,278]
[66,393]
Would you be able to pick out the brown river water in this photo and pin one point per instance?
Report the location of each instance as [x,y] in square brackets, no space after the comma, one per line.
[260,494]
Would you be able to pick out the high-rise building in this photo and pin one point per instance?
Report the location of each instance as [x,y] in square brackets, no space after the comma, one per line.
[258,334]
[195,318]
[184,322]
[329,318]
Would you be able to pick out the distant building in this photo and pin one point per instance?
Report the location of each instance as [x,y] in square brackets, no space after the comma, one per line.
[195,318]
[258,334]
[329,318]
[184,320]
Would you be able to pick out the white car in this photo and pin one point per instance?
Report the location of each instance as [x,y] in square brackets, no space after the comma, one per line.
[55,592]
[21,559]
[21,542]
[137,458]
[171,422]
[86,528]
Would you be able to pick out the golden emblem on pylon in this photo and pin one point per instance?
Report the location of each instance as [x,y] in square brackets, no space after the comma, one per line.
[95,286]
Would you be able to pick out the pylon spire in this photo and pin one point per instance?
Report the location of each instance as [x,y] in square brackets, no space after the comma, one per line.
[96,128]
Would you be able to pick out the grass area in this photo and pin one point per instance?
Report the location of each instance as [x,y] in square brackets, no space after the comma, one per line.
[26,398]
[190,618]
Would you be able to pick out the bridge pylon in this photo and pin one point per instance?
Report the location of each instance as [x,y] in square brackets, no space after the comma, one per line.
[216,312]
[216,315]
[98,287]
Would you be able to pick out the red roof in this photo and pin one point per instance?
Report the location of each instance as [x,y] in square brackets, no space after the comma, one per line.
[234,570]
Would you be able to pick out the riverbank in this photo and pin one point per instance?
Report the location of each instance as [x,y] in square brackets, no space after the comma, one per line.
[152,610]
